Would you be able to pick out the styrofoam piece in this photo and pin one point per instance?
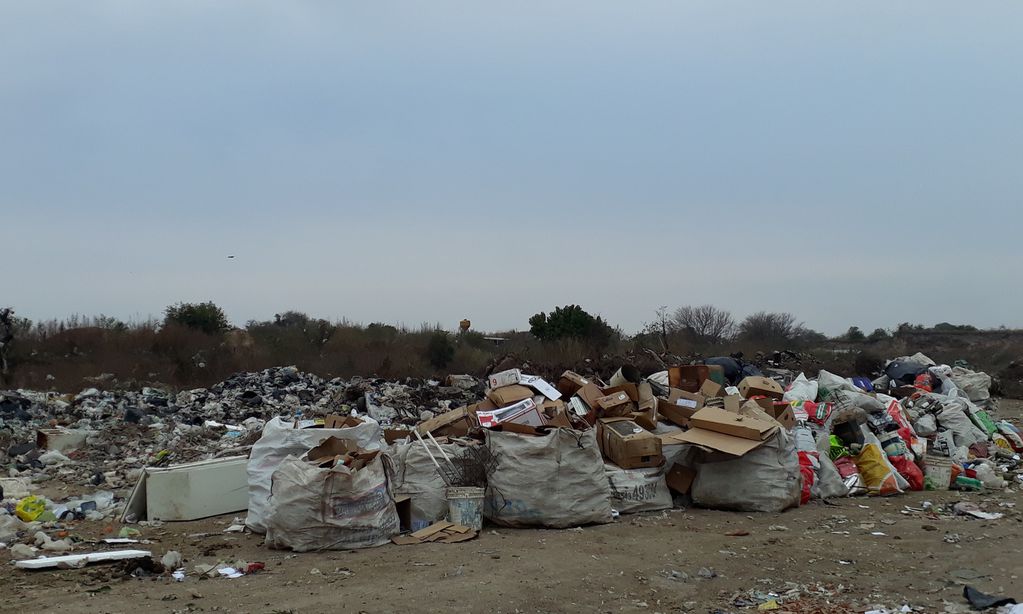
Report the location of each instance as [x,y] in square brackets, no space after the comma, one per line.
[74,560]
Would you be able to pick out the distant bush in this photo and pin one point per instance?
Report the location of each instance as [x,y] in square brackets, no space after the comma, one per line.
[571,322]
[440,350]
[879,334]
[206,317]
[854,334]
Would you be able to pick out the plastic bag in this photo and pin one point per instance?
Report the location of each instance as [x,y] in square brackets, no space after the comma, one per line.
[878,473]
[801,389]
[828,384]
[312,508]
[638,490]
[1012,434]
[768,479]
[280,438]
[850,474]
[530,469]
[30,508]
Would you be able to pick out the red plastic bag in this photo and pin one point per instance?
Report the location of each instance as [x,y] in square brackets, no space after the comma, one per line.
[807,465]
[909,470]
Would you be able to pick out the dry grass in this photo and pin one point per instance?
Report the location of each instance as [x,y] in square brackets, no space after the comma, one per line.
[64,356]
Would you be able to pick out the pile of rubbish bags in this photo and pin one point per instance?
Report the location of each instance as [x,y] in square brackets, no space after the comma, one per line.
[350,464]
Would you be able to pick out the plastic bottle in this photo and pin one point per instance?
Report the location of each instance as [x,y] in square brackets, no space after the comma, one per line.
[970,484]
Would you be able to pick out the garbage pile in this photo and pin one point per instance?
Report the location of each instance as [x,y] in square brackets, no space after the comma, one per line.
[321,464]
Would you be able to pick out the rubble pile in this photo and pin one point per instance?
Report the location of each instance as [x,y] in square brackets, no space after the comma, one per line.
[335,464]
[104,437]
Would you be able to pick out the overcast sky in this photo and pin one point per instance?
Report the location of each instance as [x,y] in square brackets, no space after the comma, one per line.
[853,163]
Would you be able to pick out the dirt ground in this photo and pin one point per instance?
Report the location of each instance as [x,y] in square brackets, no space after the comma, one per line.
[846,556]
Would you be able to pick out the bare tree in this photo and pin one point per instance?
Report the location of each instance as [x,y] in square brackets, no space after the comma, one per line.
[6,336]
[706,323]
[770,327]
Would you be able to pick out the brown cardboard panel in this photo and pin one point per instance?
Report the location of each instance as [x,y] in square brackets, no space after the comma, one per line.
[732,403]
[735,446]
[613,400]
[675,414]
[628,388]
[509,395]
[446,419]
[729,423]
[339,422]
[756,385]
[570,383]
[712,389]
[331,447]
[643,419]
[688,377]
[589,394]
[680,478]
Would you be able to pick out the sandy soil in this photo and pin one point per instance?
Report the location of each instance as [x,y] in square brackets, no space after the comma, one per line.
[818,558]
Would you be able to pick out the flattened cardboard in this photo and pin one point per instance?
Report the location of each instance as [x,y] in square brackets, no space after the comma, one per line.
[680,478]
[756,385]
[711,388]
[729,423]
[735,446]
[509,395]
[340,422]
[504,378]
[393,435]
[331,447]
[540,385]
[676,414]
[570,382]
[446,419]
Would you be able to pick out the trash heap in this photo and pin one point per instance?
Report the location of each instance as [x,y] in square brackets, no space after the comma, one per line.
[338,464]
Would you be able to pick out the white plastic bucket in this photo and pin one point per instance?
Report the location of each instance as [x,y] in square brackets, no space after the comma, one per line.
[465,506]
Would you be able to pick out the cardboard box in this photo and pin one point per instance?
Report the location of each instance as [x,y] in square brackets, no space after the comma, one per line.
[628,388]
[780,411]
[680,478]
[340,422]
[525,412]
[753,386]
[728,423]
[570,382]
[589,394]
[504,378]
[555,413]
[627,445]
[680,406]
[711,388]
[644,420]
[461,418]
[509,395]
[540,385]
[732,403]
[616,404]
[688,377]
